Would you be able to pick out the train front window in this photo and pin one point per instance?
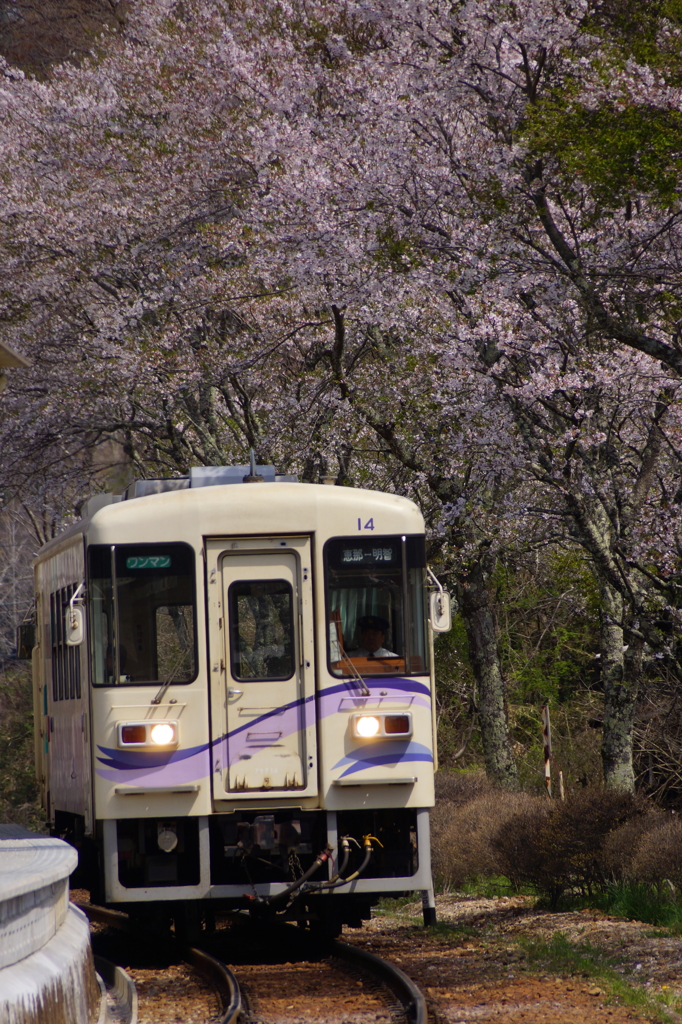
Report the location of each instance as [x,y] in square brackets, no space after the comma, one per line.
[375,606]
[142,613]
[261,630]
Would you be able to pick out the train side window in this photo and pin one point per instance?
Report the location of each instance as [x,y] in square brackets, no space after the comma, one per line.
[66,675]
[54,644]
[261,630]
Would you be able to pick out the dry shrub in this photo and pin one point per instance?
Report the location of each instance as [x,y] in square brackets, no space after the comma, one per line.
[453,789]
[594,837]
[658,855]
[556,846]
[461,839]
[621,845]
[458,788]
[518,842]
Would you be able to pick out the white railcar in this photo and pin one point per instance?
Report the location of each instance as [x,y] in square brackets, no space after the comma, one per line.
[234,695]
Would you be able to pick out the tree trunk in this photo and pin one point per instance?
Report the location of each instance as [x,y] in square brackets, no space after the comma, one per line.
[620,677]
[481,633]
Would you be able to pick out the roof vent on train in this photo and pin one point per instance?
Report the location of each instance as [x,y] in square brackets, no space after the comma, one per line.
[207,476]
[202,476]
[199,476]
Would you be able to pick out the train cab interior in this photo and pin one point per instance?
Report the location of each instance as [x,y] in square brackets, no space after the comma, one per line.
[142,613]
[375,607]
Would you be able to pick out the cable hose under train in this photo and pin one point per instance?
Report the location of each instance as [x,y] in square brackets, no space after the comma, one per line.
[340,870]
[336,883]
[280,896]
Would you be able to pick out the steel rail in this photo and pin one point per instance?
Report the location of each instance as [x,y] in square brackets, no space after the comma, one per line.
[213,970]
[113,918]
[411,997]
[222,978]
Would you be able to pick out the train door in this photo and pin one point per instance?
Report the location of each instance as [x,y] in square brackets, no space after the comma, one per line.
[261,658]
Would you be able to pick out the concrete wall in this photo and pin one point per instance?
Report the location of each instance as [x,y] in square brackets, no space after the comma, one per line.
[46,968]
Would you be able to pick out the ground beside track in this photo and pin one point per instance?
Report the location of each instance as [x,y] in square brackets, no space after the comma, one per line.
[473,966]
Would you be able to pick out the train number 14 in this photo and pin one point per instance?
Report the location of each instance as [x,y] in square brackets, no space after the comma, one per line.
[369,525]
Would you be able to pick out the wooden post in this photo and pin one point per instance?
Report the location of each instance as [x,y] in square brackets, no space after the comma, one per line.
[547,741]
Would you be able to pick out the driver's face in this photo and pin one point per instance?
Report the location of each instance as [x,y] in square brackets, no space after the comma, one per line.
[372,639]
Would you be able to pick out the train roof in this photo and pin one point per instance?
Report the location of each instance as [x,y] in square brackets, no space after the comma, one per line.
[187,513]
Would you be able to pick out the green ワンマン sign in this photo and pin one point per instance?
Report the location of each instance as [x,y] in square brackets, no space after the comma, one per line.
[148,562]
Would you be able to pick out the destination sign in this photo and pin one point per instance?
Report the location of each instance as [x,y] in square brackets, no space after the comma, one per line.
[148,562]
[365,555]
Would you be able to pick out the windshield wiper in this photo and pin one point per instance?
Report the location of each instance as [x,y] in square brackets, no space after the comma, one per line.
[364,688]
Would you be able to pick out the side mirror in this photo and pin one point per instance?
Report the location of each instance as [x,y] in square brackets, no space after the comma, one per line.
[75,620]
[440,614]
[75,627]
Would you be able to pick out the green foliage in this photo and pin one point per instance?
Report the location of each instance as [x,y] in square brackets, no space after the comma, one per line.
[621,149]
[648,32]
[453,933]
[18,789]
[388,906]
[618,152]
[454,691]
[396,253]
[548,607]
[548,620]
[576,745]
[559,955]
[639,901]
[495,886]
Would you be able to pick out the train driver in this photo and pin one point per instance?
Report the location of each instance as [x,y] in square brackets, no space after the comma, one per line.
[373,629]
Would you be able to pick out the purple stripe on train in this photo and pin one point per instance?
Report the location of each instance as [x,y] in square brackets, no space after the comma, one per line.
[393,752]
[327,704]
[190,764]
[122,759]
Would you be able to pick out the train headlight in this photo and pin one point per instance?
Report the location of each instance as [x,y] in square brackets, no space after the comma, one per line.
[367,726]
[381,726]
[162,734]
[148,734]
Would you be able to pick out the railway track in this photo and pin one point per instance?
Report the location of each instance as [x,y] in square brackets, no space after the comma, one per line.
[403,988]
[297,968]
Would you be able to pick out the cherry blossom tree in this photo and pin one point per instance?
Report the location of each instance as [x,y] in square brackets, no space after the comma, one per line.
[547,256]
[416,245]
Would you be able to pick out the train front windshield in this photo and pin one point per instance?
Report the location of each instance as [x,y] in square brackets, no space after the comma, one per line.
[375,606]
[142,613]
